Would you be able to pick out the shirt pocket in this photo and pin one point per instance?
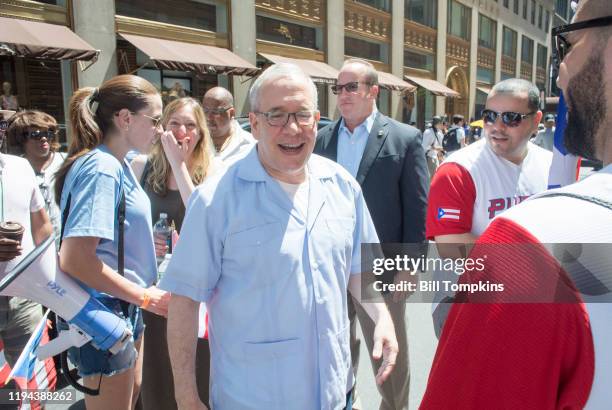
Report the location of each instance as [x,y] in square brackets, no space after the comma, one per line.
[254,254]
[337,238]
[275,372]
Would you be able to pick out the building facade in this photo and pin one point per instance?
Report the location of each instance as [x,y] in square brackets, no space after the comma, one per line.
[440,57]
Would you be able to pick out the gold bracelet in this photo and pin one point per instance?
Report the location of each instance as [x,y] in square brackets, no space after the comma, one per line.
[146,300]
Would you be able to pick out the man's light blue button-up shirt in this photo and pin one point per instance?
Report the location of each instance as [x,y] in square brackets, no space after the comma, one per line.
[275,283]
[352,145]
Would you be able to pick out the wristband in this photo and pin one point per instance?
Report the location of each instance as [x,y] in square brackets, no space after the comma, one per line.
[146,300]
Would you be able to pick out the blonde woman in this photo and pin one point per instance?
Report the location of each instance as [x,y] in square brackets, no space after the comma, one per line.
[176,164]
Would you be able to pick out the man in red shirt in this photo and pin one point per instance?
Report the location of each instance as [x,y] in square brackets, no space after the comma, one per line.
[554,351]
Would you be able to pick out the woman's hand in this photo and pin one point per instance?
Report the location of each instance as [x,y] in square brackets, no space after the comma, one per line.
[158,301]
[176,152]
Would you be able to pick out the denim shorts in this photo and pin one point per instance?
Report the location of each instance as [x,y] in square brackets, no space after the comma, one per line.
[90,361]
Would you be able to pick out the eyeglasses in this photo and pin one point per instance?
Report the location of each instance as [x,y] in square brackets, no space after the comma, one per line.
[509,118]
[350,87]
[280,118]
[38,135]
[156,120]
[3,125]
[561,43]
[216,111]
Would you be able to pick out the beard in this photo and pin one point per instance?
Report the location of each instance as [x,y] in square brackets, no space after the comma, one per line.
[586,108]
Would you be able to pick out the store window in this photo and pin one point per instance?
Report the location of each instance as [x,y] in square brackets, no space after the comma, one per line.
[481,101]
[527,50]
[542,54]
[509,45]
[416,59]
[364,49]
[459,20]
[179,12]
[485,75]
[487,31]
[33,84]
[505,76]
[424,12]
[286,33]
[379,4]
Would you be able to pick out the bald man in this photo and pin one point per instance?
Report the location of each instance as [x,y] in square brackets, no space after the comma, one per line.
[229,139]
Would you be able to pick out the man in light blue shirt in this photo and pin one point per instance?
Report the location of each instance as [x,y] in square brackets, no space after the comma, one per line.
[272,244]
[352,144]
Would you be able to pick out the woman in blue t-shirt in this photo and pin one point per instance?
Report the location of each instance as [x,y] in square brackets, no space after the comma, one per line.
[122,115]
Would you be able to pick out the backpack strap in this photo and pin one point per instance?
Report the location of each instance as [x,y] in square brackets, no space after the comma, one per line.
[591,199]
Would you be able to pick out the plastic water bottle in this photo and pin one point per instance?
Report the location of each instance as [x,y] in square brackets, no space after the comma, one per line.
[161,270]
[163,229]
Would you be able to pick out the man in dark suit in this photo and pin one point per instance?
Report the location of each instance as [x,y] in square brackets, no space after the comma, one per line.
[387,159]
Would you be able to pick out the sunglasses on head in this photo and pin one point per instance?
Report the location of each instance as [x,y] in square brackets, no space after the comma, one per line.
[509,118]
[38,135]
[350,87]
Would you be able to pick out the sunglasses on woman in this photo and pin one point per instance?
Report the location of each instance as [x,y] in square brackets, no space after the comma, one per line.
[509,118]
[38,134]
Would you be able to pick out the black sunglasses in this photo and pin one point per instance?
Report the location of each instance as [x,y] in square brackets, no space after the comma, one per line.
[3,125]
[561,43]
[511,119]
[350,87]
[38,135]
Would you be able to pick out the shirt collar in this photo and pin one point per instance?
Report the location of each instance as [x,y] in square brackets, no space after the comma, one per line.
[368,123]
[251,169]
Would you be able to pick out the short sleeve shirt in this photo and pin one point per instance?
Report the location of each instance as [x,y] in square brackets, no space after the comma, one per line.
[474,185]
[275,283]
[95,182]
[20,197]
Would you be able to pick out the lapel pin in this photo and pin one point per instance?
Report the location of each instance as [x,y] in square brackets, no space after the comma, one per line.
[380,133]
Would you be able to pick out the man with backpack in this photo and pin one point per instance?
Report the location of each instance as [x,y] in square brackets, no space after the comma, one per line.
[454,139]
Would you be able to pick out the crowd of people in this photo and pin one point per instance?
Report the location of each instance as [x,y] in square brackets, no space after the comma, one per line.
[270,228]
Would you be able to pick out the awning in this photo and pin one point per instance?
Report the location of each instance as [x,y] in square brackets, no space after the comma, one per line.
[177,55]
[23,38]
[318,71]
[392,82]
[484,89]
[433,86]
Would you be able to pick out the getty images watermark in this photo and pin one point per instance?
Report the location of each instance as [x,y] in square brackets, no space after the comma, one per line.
[488,273]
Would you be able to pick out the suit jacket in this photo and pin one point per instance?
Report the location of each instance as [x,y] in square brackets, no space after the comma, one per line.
[393,175]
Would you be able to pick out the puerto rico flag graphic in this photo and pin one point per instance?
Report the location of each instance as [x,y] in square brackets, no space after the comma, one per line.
[449,213]
[29,372]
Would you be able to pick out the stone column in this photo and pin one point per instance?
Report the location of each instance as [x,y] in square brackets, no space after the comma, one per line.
[334,32]
[397,54]
[441,52]
[243,41]
[473,61]
[519,49]
[499,50]
[94,22]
